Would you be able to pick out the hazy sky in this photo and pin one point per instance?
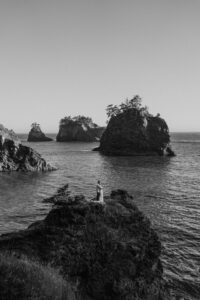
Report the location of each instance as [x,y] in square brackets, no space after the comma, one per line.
[69,57]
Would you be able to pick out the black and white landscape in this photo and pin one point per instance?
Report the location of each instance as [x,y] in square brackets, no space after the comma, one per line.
[99,150]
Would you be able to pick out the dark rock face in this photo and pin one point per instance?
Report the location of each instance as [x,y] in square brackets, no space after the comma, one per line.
[16,157]
[36,135]
[78,129]
[133,133]
[105,251]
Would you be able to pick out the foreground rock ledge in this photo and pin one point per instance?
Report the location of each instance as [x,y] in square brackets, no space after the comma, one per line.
[16,157]
[105,251]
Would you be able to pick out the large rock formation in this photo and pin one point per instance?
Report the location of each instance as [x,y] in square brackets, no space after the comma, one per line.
[105,251]
[36,134]
[80,129]
[16,157]
[133,131]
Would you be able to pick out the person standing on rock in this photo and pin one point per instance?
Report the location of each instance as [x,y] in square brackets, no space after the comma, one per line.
[99,190]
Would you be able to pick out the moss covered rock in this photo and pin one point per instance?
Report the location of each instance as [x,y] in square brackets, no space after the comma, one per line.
[105,251]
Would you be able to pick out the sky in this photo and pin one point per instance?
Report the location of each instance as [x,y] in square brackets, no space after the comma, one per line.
[75,57]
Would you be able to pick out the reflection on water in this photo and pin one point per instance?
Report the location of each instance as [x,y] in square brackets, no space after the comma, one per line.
[167,190]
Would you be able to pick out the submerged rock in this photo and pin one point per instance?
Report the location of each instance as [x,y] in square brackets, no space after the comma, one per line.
[16,157]
[133,131]
[80,129]
[36,134]
[104,251]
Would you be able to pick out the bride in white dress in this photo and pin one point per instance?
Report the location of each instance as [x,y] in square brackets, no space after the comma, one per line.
[99,192]
[101,195]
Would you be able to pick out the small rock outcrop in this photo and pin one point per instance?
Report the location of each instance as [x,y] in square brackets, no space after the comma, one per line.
[105,251]
[16,157]
[36,134]
[133,131]
[80,129]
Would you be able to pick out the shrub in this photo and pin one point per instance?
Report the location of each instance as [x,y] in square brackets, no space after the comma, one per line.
[79,120]
[22,278]
[133,104]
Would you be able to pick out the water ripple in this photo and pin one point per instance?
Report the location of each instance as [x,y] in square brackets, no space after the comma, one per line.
[166,190]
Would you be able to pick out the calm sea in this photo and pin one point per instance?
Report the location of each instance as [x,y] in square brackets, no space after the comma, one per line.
[167,190]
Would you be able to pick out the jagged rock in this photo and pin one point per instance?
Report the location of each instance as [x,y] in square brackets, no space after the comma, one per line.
[36,134]
[106,251]
[80,129]
[61,193]
[134,133]
[16,157]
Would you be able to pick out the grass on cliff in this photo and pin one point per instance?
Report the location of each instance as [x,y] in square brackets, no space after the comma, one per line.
[21,278]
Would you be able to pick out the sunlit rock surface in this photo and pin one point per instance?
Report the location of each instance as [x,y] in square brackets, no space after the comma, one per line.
[16,157]
[80,129]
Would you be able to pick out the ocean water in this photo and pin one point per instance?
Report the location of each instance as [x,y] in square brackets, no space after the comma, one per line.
[167,190]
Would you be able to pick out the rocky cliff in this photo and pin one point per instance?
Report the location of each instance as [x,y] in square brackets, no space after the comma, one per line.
[16,157]
[135,132]
[36,134]
[80,129]
[105,251]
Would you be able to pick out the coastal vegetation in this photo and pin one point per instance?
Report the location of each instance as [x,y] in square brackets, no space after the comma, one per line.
[78,128]
[97,251]
[36,134]
[132,130]
[87,121]
[128,105]
[22,278]
[35,126]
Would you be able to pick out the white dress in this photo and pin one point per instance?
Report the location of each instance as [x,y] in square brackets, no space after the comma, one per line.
[101,195]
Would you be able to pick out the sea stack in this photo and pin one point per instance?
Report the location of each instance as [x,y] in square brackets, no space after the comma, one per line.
[79,129]
[103,251]
[16,157]
[132,130]
[36,134]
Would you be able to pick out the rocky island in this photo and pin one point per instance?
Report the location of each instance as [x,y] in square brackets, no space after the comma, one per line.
[79,129]
[16,157]
[36,134]
[84,250]
[132,130]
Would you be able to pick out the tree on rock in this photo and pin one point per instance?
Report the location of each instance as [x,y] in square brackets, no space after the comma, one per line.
[133,104]
[112,110]
[36,134]
[35,126]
